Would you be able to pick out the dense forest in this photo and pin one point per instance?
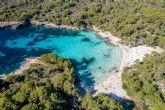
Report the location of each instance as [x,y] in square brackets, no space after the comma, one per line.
[144,82]
[135,22]
[49,85]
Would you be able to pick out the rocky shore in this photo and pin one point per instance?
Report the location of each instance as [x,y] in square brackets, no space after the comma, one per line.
[7,24]
[113,83]
[25,65]
[22,24]
[14,24]
[52,25]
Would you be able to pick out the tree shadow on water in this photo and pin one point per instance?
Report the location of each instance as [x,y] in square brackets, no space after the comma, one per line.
[58,32]
[42,31]
[127,104]
[15,56]
[84,80]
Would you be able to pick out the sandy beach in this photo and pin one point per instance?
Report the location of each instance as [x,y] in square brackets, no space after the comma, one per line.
[25,65]
[113,83]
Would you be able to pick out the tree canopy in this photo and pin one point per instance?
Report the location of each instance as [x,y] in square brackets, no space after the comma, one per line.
[135,22]
[144,82]
[49,85]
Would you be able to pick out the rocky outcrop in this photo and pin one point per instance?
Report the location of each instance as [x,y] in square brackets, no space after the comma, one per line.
[14,24]
[6,24]
[27,22]
[23,24]
[48,24]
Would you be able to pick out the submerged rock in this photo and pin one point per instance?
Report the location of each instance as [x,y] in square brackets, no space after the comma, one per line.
[85,39]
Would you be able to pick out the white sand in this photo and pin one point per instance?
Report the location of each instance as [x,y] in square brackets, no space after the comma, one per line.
[113,83]
[114,40]
[10,23]
[49,24]
[25,65]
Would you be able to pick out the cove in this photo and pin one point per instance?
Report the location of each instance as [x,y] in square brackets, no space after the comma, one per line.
[92,57]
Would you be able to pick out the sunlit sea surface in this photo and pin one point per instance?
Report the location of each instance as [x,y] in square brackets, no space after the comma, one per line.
[92,57]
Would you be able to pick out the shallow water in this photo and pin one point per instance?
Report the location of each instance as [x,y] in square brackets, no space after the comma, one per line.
[91,56]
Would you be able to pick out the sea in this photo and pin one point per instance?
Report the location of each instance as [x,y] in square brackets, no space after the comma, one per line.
[93,57]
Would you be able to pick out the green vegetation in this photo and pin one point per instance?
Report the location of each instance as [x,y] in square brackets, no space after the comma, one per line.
[99,102]
[144,82]
[49,85]
[136,22]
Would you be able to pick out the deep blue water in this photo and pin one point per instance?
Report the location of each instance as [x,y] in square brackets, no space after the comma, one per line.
[92,57]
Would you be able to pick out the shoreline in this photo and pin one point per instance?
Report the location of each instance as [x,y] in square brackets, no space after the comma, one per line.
[25,65]
[52,25]
[9,24]
[113,83]
[17,24]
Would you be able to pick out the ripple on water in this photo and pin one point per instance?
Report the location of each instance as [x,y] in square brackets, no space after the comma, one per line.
[92,57]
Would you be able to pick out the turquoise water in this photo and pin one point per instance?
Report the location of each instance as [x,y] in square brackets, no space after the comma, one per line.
[91,56]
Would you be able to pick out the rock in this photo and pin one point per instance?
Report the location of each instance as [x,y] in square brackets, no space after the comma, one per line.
[85,39]
[23,24]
